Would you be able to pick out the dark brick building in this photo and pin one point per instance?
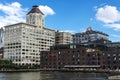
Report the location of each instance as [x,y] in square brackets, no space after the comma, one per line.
[61,55]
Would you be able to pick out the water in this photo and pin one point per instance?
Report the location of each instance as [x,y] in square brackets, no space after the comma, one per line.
[52,76]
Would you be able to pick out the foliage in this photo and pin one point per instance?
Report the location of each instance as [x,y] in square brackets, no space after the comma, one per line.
[5,64]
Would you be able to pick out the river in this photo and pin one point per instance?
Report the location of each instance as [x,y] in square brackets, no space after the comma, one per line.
[52,76]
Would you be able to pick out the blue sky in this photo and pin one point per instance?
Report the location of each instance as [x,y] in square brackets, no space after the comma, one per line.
[67,15]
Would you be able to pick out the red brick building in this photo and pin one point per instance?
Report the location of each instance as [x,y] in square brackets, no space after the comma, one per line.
[61,55]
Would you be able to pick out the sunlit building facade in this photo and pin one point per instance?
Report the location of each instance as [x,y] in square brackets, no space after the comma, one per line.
[63,37]
[25,41]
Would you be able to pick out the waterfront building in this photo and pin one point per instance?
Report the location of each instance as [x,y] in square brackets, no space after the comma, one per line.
[25,41]
[63,37]
[1,37]
[62,55]
[76,56]
[111,59]
[89,36]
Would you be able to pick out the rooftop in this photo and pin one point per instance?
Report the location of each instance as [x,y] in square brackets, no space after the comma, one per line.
[35,9]
[20,24]
[90,31]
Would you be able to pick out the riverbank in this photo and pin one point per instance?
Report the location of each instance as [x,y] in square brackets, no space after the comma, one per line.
[19,70]
[84,70]
[95,71]
[111,72]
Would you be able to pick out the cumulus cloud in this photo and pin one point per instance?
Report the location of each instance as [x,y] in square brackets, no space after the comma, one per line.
[12,13]
[108,14]
[46,10]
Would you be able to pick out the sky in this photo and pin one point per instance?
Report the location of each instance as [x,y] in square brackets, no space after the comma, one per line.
[67,15]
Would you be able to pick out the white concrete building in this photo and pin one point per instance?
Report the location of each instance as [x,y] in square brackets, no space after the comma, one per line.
[24,41]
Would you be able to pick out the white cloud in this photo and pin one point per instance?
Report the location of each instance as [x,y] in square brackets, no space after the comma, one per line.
[108,14]
[115,26]
[12,13]
[46,10]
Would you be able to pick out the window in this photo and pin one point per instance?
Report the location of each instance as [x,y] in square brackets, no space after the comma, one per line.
[108,55]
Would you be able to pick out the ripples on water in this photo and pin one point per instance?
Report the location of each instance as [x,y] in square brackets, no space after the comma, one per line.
[52,76]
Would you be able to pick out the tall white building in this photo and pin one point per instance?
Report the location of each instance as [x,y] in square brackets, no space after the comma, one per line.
[35,17]
[24,41]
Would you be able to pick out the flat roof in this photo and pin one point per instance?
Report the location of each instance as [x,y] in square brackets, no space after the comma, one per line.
[21,23]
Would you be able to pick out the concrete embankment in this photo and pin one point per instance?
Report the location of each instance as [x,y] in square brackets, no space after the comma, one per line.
[63,70]
[20,70]
[111,72]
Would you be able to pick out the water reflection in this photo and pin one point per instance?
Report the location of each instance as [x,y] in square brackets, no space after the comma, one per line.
[72,76]
[52,76]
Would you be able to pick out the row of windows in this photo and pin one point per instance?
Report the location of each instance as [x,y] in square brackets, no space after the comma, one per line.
[37,32]
[19,60]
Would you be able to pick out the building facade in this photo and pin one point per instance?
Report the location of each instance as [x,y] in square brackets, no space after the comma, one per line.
[63,37]
[113,44]
[25,41]
[1,37]
[1,52]
[61,56]
[89,36]
[35,17]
